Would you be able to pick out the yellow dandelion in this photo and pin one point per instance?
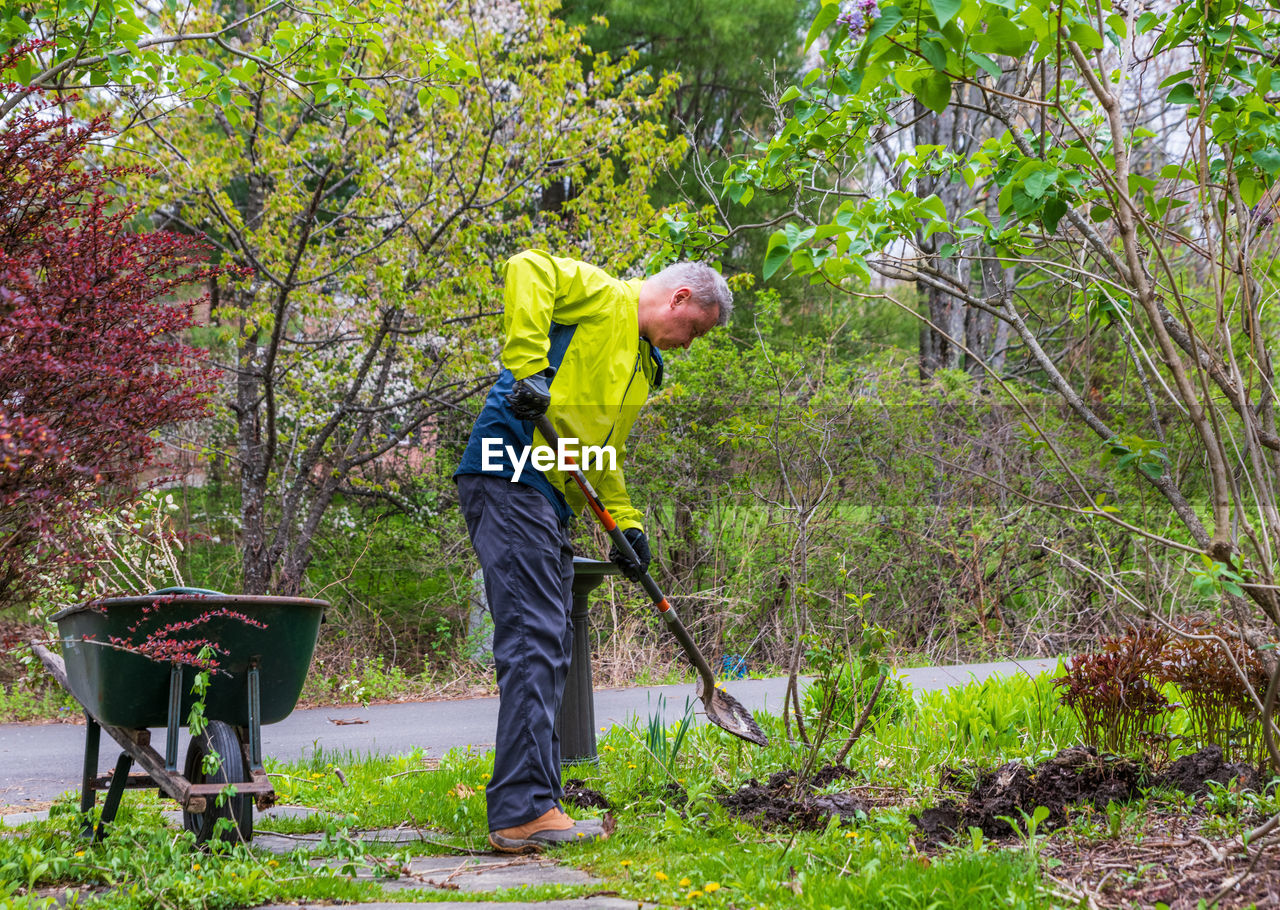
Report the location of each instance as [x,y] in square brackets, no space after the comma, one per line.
[710,887]
[79,853]
[580,834]
[851,834]
[660,876]
[631,764]
[693,895]
[684,883]
[195,868]
[625,863]
[272,863]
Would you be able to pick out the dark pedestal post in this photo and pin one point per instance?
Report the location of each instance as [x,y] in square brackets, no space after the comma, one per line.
[576,722]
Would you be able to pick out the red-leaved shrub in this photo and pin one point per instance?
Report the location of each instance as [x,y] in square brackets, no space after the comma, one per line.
[91,361]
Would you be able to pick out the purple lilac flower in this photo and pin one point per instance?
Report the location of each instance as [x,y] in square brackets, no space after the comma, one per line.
[859,17]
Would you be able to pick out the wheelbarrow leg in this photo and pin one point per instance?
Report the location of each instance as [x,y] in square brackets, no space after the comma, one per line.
[255,718]
[175,707]
[114,792]
[92,739]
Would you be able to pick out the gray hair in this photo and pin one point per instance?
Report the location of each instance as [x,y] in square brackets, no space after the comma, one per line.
[708,286]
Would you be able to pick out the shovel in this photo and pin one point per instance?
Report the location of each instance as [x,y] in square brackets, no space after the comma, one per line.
[722,709]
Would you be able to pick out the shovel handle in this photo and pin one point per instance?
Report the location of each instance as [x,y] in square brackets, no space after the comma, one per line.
[620,541]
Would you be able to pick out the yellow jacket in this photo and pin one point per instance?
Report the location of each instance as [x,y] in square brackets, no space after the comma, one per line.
[583,322]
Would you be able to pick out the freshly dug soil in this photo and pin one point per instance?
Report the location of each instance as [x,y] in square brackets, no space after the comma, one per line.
[1191,773]
[1074,777]
[575,794]
[785,801]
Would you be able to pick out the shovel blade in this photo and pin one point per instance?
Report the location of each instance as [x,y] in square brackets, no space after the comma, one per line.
[727,713]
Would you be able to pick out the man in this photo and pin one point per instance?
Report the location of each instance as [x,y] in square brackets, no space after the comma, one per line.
[583,348]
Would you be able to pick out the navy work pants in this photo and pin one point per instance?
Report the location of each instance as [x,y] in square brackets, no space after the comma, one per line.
[527,559]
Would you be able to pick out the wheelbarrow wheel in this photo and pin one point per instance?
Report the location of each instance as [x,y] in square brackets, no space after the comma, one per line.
[221,738]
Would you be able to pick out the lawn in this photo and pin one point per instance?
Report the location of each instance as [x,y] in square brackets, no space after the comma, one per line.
[689,835]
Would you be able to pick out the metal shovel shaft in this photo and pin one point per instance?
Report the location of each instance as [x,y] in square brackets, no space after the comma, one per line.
[721,708]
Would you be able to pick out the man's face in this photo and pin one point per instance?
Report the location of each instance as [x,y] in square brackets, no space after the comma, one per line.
[679,321]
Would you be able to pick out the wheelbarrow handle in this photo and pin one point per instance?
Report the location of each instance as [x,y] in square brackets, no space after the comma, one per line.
[620,541]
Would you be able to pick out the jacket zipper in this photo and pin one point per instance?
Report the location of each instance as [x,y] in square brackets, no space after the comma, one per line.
[634,372]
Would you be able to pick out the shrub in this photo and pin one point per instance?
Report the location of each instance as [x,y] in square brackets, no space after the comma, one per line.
[1221,708]
[1115,692]
[90,364]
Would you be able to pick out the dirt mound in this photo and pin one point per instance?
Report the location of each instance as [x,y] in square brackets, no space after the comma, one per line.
[1074,777]
[831,773]
[786,801]
[575,794]
[1191,772]
[1077,776]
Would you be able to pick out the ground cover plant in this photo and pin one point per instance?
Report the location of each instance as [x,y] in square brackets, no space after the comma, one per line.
[865,834]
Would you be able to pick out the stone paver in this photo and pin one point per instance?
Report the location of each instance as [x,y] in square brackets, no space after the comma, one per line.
[285,843]
[477,874]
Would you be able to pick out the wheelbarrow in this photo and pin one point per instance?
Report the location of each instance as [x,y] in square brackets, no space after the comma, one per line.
[262,664]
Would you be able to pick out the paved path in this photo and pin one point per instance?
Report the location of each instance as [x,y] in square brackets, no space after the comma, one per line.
[39,762]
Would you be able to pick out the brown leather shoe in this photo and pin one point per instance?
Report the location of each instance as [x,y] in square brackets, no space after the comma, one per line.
[551,829]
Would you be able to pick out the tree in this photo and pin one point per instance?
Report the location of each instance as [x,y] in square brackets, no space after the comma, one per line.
[371,232]
[90,364]
[123,48]
[720,49]
[1141,212]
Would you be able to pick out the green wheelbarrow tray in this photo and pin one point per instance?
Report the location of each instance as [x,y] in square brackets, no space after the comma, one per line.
[126,689]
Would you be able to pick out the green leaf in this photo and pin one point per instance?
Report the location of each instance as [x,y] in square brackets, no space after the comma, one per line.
[1003,37]
[1038,183]
[935,53]
[935,207]
[1268,159]
[934,92]
[1185,93]
[1140,184]
[777,253]
[791,94]
[986,63]
[890,16]
[1086,36]
[946,10]
[1054,209]
[826,15]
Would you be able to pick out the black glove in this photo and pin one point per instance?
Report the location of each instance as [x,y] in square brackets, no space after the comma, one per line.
[531,395]
[640,543]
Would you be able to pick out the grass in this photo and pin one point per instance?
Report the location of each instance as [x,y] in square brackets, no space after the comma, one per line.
[677,847]
[677,851]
